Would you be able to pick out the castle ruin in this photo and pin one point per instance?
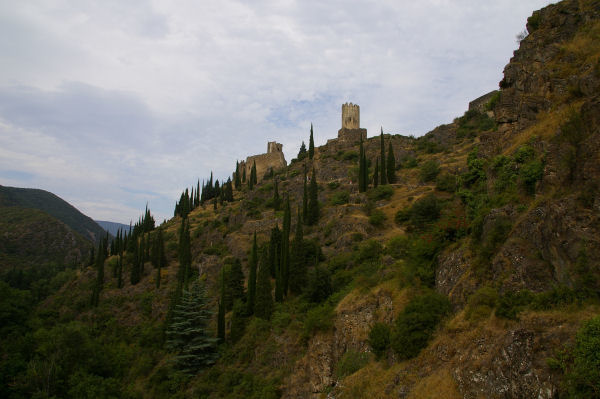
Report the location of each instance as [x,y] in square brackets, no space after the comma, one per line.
[265,163]
[351,133]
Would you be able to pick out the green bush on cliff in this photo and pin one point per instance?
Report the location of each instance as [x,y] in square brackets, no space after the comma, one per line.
[416,324]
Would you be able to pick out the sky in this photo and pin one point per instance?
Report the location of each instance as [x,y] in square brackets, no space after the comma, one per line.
[114,104]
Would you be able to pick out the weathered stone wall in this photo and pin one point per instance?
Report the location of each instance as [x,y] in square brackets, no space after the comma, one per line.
[480,103]
[273,159]
[350,116]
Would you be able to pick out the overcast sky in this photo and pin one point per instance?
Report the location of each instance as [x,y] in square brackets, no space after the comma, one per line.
[111,104]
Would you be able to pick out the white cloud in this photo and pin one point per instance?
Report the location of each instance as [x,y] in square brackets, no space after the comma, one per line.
[150,95]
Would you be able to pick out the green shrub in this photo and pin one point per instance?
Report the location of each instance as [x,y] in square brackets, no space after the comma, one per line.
[378,193]
[398,246]
[531,173]
[339,198]
[349,156]
[377,218]
[332,185]
[481,303]
[493,101]
[319,284]
[524,153]
[318,319]
[429,171]
[369,250]
[533,22]
[407,162]
[350,363]
[584,378]
[379,338]
[511,303]
[417,322]
[425,210]
[446,182]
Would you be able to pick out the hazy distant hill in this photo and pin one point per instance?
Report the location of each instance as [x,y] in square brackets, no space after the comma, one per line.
[54,206]
[112,227]
[31,237]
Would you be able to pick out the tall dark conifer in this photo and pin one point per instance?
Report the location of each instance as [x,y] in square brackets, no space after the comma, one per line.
[253,264]
[297,273]
[237,180]
[221,313]
[276,199]
[305,197]
[311,144]
[285,246]
[161,256]
[99,283]
[264,300]
[391,164]
[185,254]
[382,170]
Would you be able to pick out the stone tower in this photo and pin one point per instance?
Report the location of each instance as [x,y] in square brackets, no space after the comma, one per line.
[351,132]
[350,116]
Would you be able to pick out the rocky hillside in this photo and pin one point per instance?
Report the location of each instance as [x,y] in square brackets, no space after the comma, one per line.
[474,275]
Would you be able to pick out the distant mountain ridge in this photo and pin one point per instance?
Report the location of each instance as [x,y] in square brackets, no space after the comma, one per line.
[112,227]
[54,206]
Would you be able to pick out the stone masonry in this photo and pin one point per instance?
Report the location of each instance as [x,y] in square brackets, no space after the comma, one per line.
[272,160]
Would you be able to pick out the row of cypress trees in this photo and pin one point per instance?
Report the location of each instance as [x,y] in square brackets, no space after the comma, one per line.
[385,166]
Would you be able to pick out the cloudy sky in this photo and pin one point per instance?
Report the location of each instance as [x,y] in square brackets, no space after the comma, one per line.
[111,104]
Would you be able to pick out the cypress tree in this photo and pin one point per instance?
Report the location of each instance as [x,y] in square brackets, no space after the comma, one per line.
[229,191]
[297,273]
[244,174]
[221,314]
[376,173]
[142,254]
[187,334]
[361,168]
[305,199]
[278,280]
[276,199]
[120,271]
[284,261]
[274,249]
[264,301]
[311,144]
[253,174]
[253,261]
[234,282]
[391,164]
[313,201]
[238,321]
[382,159]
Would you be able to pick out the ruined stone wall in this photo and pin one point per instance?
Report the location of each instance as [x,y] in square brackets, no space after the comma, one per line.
[273,159]
[350,116]
[480,103]
[273,146]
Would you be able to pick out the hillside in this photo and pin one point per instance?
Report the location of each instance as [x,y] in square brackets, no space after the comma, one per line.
[54,206]
[474,274]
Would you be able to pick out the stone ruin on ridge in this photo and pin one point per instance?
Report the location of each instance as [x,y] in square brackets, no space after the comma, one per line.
[351,132]
[272,160]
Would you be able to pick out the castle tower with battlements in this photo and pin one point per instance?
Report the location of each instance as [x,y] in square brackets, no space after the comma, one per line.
[351,132]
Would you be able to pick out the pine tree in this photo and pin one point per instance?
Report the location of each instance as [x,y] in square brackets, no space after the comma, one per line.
[253,263]
[187,334]
[391,164]
[284,261]
[313,200]
[264,300]
[302,152]
[382,170]
[311,144]
[297,273]
[305,198]
[276,199]
[376,174]
[221,314]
